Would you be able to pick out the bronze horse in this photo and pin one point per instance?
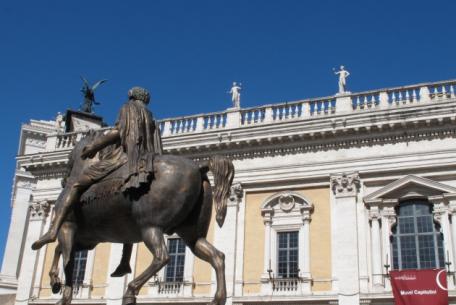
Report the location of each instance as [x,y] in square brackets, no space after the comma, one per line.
[178,200]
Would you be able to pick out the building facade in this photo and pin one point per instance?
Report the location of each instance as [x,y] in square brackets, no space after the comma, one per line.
[329,195]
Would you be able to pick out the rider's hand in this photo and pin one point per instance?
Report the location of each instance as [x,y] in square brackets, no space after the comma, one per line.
[88,152]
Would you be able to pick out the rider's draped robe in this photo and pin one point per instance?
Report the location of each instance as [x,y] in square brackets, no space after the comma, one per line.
[140,140]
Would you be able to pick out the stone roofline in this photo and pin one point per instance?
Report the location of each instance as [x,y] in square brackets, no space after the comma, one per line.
[311,123]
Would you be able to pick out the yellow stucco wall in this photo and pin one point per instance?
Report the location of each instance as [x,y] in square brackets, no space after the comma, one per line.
[45,283]
[202,270]
[143,260]
[253,241]
[100,269]
[320,239]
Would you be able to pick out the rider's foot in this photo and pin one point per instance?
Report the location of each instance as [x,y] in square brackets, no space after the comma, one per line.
[45,239]
[121,270]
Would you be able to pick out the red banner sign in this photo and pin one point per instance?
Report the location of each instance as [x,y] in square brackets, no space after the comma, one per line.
[420,287]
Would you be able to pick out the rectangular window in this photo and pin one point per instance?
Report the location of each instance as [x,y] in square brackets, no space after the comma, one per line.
[287,254]
[80,260]
[175,269]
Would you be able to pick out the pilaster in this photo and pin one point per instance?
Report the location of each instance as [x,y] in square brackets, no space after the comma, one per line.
[345,188]
[38,211]
[225,240]
[116,285]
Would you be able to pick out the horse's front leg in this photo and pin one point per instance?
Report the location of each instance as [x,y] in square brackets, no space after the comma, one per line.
[56,283]
[155,242]
[66,241]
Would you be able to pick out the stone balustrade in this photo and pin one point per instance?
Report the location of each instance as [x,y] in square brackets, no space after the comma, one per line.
[339,104]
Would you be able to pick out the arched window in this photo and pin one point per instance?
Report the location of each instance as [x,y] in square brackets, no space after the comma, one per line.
[416,242]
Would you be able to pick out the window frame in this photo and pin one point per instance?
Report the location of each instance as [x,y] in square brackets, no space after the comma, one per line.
[396,237]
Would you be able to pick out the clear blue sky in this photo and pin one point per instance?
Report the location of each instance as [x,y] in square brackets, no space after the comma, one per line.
[188,53]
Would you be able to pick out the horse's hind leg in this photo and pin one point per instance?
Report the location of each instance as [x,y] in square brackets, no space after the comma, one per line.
[66,241]
[207,252]
[155,242]
[56,283]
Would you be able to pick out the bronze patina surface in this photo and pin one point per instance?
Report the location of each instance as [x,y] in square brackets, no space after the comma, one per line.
[132,193]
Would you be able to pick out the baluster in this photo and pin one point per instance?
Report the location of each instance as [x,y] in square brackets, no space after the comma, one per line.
[443,91]
[414,97]
[284,112]
[195,122]
[407,97]
[393,97]
[218,120]
[365,103]
[435,92]
[451,91]
[357,103]
[296,110]
[399,98]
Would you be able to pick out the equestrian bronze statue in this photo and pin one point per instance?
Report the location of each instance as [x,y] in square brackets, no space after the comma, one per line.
[132,193]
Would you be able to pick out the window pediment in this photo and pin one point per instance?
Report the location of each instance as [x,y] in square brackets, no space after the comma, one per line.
[408,187]
[286,204]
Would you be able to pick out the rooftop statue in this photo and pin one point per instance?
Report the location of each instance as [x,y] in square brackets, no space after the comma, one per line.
[128,195]
[236,95]
[89,94]
[343,74]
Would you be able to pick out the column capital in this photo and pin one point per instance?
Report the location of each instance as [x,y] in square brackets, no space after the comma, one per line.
[236,192]
[374,213]
[439,210]
[345,184]
[39,210]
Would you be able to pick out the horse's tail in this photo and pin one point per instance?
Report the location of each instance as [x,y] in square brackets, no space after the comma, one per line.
[223,172]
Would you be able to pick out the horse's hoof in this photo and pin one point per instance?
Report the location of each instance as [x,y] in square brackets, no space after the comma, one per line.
[129,300]
[121,271]
[56,287]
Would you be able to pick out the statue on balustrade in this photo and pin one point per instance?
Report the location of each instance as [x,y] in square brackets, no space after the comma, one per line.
[89,94]
[236,94]
[133,193]
[343,74]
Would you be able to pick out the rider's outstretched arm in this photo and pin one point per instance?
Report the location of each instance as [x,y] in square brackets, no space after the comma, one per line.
[112,137]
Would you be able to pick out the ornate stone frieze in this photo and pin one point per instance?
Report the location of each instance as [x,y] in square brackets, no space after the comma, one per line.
[345,184]
[36,142]
[39,210]
[25,184]
[309,143]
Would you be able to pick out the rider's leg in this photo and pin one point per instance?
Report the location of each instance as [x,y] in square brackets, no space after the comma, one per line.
[124,266]
[61,212]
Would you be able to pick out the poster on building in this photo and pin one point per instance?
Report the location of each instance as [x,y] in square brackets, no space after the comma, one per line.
[420,287]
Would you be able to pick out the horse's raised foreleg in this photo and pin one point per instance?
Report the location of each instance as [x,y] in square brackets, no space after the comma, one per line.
[66,241]
[56,283]
[207,252]
[155,242]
